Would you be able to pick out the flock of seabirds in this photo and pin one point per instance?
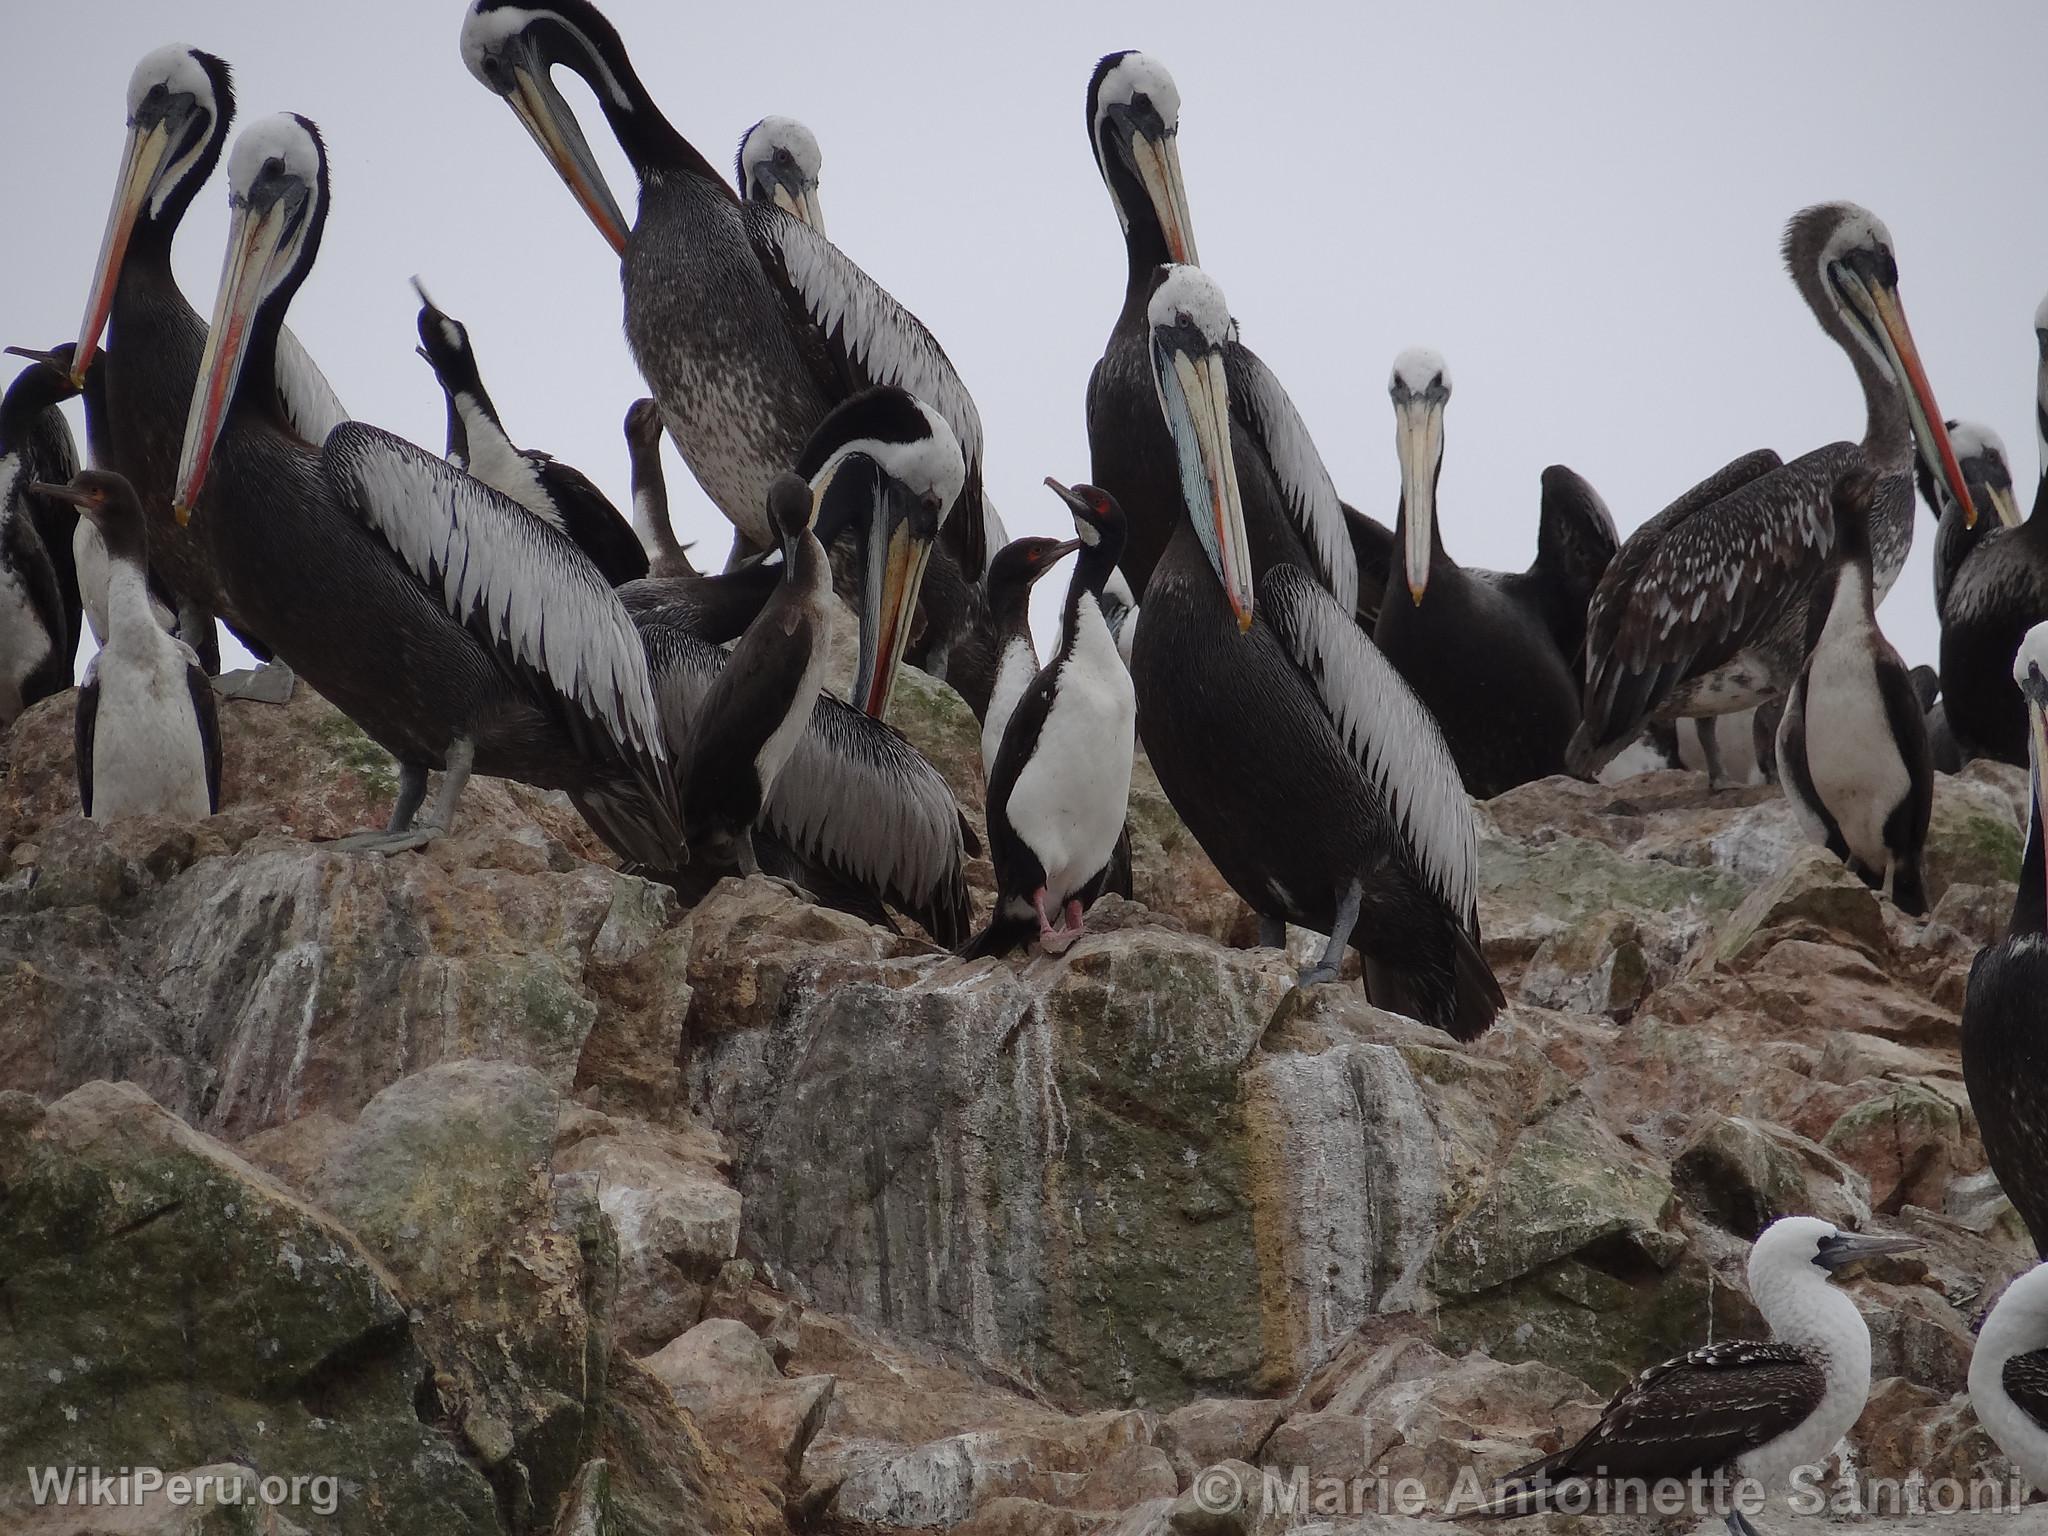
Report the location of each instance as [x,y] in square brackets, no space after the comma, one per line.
[1322,697]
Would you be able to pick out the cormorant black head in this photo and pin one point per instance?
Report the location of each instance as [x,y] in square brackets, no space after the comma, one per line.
[1134,126]
[180,103]
[779,162]
[109,503]
[886,461]
[1840,256]
[643,424]
[444,343]
[277,210]
[44,384]
[1420,387]
[1189,321]
[1850,504]
[1098,529]
[1016,569]
[791,509]
[512,47]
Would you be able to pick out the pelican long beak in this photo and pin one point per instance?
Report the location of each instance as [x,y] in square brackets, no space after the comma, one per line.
[255,241]
[1194,395]
[1846,1248]
[1419,439]
[1887,317]
[141,159]
[2002,503]
[896,555]
[794,199]
[539,106]
[1157,162]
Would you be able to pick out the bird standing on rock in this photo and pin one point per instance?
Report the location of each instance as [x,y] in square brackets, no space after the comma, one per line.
[1853,754]
[762,701]
[1062,776]
[1748,1408]
[147,729]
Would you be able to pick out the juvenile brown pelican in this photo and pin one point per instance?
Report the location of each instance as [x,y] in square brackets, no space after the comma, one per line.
[2005,1012]
[458,630]
[1852,747]
[1703,611]
[748,324]
[1291,507]
[779,162]
[2009,1375]
[147,728]
[180,106]
[762,700]
[1061,781]
[665,557]
[1304,766]
[1484,663]
[38,629]
[1752,1408]
[557,494]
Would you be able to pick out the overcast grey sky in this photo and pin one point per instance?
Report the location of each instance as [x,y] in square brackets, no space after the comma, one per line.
[1580,206]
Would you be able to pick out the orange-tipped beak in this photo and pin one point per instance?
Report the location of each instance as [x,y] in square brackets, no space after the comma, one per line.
[141,159]
[1929,430]
[548,118]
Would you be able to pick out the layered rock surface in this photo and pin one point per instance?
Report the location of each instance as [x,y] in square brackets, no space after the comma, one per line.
[517,1197]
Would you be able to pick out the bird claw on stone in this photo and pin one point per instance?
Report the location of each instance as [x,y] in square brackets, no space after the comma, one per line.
[1316,975]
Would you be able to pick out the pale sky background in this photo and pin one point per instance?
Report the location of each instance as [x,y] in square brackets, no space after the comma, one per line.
[1580,206]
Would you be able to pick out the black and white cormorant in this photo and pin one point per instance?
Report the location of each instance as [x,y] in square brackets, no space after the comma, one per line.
[1291,506]
[147,727]
[665,557]
[556,493]
[1703,611]
[1484,662]
[1061,780]
[779,162]
[1852,754]
[1997,594]
[1980,453]
[747,323]
[458,630]
[2009,1375]
[1011,576]
[1752,1408]
[180,106]
[761,703]
[2005,1011]
[38,628]
[1312,777]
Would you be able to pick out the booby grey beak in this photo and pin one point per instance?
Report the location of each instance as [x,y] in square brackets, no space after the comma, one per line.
[1881,311]
[1194,396]
[258,252]
[141,159]
[1845,1248]
[540,108]
[1419,440]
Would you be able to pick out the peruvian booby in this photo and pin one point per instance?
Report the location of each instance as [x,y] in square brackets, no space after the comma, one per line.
[665,557]
[747,323]
[557,494]
[750,721]
[2004,1035]
[38,628]
[1061,780]
[1312,777]
[2009,1375]
[1011,576]
[181,104]
[1997,594]
[1753,1408]
[147,728]
[1852,747]
[458,630]
[1292,511]
[1486,665]
[1988,473]
[779,162]
[1703,611]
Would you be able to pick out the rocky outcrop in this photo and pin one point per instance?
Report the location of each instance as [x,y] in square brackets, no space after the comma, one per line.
[519,1197]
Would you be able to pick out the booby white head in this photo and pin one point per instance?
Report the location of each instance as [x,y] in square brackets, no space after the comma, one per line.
[1134,127]
[277,202]
[180,102]
[779,162]
[2012,1352]
[1841,257]
[1190,322]
[1420,387]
